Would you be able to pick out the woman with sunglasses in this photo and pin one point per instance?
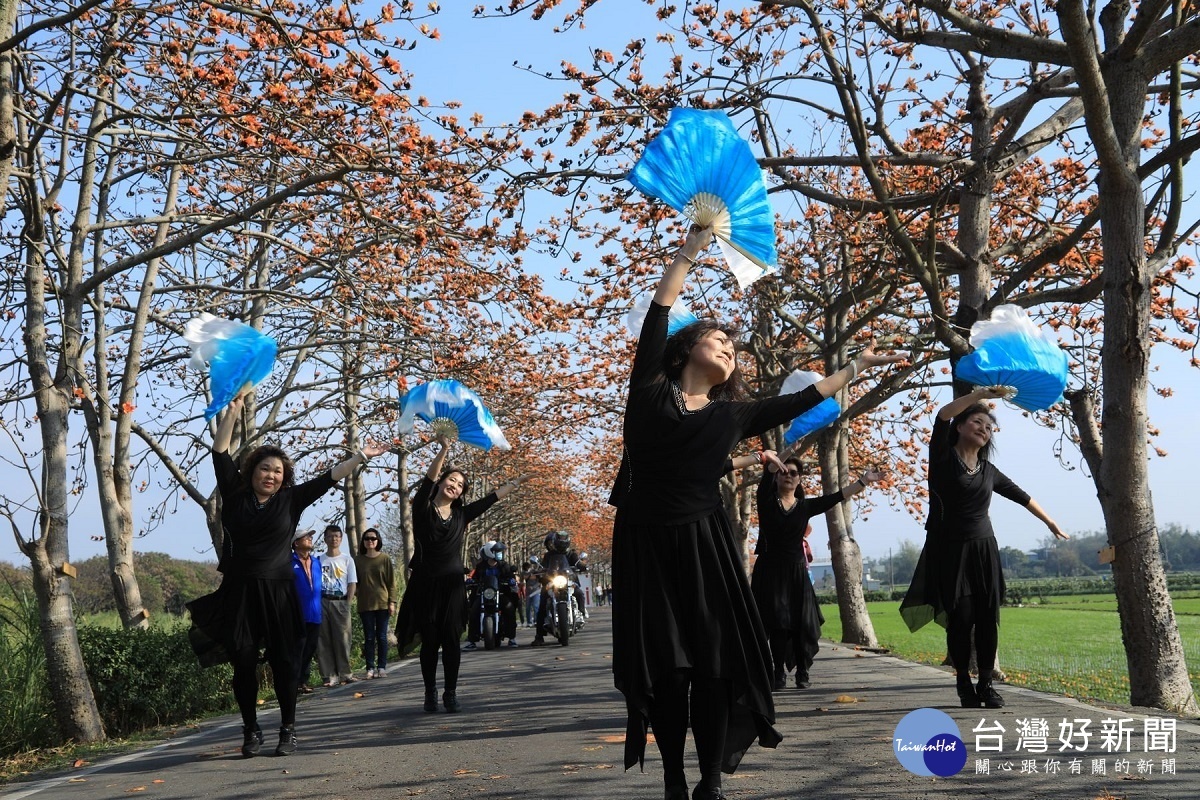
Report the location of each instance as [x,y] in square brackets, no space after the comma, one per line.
[782,589]
[376,599]
[688,647]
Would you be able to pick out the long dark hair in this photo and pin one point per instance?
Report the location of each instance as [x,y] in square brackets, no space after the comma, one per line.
[679,350]
[251,460]
[437,486]
[985,452]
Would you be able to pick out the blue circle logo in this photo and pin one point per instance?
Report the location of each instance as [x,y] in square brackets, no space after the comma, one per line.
[927,743]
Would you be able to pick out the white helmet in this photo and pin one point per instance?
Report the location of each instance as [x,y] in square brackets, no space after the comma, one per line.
[493,550]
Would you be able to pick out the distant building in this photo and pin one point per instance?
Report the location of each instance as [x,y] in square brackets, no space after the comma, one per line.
[824,581]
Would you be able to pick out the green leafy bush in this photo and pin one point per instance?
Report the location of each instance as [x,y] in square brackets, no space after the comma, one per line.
[26,711]
[146,678]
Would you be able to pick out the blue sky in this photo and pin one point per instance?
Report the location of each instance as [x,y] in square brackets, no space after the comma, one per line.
[473,63]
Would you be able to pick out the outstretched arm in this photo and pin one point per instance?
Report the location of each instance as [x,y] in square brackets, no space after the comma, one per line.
[364,455]
[508,487]
[961,404]
[868,358]
[672,280]
[1038,512]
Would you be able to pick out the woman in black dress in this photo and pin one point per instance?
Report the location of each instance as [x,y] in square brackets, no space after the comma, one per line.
[958,581]
[782,589]
[685,621]
[434,604]
[256,606]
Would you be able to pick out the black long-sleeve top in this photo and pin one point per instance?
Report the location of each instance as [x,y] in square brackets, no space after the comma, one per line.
[673,461]
[959,501]
[780,531]
[438,542]
[259,540]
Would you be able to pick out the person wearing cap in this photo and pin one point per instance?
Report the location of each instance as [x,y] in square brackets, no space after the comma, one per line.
[306,569]
[255,609]
[339,579]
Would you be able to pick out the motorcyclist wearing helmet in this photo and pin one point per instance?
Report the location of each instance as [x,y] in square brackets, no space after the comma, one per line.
[492,562]
[559,557]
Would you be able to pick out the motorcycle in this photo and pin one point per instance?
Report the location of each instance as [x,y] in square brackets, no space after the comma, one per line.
[567,617]
[489,612]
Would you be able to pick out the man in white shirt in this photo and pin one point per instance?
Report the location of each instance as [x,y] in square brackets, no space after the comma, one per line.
[338,581]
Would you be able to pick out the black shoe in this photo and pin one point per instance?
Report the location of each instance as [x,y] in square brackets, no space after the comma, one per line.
[538,641]
[450,701]
[431,705]
[988,696]
[780,682]
[802,681]
[677,793]
[252,740]
[287,741]
[702,792]
[967,694]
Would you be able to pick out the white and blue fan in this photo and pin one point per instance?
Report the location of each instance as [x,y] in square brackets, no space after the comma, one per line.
[238,357]
[700,166]
[454,411]
[678,316]
[1011,351]
[819,416]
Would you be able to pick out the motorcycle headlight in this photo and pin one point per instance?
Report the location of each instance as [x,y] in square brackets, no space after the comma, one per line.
[489,593]
[559,581]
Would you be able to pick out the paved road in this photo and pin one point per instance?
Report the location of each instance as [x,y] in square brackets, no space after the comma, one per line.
[546,723]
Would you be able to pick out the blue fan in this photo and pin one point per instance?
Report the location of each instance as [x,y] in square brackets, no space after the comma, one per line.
[678,316]
[453,411]
[1011,351]
[819,416]
[700,166]
[238,357]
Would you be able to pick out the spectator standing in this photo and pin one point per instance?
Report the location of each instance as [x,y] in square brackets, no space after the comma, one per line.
[338,583]
[376,594]
[306,568]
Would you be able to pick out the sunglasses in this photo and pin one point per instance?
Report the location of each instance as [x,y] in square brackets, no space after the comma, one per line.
[795,473]
[370,538]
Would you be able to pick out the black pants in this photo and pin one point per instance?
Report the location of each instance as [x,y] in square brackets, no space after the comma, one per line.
[966,616]
[245,683]
[312,634]
[709,700]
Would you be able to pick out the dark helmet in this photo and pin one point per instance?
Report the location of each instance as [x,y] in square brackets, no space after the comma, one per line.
[561,542]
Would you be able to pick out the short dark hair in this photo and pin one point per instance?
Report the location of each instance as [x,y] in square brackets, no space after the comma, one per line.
[679,349]
[252,459]
[985,452]
[362,540]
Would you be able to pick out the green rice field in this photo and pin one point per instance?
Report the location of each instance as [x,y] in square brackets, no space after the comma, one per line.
[1069,645]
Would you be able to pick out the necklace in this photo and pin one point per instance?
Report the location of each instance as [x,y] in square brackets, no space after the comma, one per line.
[969,470]
[681,402]
[259,505]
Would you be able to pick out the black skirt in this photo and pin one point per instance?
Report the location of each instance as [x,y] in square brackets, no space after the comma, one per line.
[787,602]
[246,614]
[432,607]
[683,603]
[948,570]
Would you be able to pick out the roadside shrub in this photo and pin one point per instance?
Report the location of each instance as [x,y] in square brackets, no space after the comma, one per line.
[26,711]
[146,678]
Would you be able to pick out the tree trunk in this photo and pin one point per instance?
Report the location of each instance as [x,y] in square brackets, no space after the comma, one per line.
[1115,100]
[8,129]
[49,554]
[405,532]
[833,453]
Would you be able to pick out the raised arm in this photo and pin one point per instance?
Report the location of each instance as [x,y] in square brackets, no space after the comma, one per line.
[508,487]
[868,358]
[224,434]
[672,280]
[1038,512]
[961,404]
[435,466]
